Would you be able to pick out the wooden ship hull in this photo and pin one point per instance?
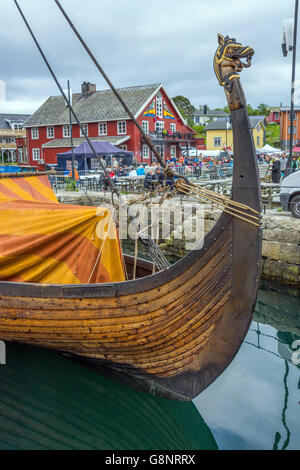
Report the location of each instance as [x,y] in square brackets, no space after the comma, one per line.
[172,332]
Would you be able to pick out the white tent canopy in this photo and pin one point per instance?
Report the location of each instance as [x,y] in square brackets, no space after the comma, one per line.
[268,149]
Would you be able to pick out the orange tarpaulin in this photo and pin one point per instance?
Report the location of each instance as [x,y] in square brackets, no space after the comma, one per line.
[43,241]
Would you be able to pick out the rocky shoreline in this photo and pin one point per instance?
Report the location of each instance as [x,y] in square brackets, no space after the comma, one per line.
[281,238]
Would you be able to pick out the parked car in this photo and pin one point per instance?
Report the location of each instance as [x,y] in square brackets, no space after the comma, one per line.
[290,194]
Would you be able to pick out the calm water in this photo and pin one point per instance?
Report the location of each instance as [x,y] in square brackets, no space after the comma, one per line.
[49,402]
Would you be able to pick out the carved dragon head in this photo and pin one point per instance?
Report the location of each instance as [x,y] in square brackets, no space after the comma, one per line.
[228,60]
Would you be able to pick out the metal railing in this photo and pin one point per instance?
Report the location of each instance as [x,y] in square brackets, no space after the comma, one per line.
[171,136]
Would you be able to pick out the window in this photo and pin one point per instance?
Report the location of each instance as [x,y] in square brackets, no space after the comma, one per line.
[36,155]
[66,131]
[276,115]
[25,156]
[123,147]
[50,133]
[102,128]
[294,114]
[294,130]
[85,128]
[122,128]
[197,119]
[159,126]
[159,106]
[17,126]
[160,149]
[217,141]
[145,152]
[258,141]
[34,133]
[173,151]
[145,125]
[173,127]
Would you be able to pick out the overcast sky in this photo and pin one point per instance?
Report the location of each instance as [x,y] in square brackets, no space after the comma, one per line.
[172,42]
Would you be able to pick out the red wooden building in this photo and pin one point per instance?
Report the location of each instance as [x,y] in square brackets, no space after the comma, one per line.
[274,116]
[101,114]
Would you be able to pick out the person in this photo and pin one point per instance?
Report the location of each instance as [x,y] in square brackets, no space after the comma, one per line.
[140,171]
[295,164]
[110,172]
[132,173]
[115,163]
[103,162]
[283,163]
[276,170]
[76,174]
[148,181]
[160,176]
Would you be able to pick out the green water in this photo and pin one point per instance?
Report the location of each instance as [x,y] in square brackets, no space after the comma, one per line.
[50,402]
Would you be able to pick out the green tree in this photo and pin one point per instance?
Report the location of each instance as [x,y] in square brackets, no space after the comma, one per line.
[185,107]
[263,109]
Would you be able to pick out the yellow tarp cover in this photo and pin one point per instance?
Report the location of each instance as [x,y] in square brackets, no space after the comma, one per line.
[43,241]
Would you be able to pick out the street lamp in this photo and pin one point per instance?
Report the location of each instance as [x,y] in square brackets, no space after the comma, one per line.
[290,31]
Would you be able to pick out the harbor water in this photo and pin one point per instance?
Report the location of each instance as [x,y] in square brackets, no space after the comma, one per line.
[48,401]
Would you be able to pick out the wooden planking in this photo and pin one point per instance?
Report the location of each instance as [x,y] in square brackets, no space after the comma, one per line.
[124,301]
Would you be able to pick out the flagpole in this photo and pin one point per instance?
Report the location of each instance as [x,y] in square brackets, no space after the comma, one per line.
[289,163]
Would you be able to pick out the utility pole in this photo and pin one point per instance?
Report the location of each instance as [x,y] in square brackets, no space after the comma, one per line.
[287,47]
[71,133]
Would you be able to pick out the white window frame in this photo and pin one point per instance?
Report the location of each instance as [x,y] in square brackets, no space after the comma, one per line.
[159,107]
[145,126]
[219,139]
[173,151]
[25,156]
[258,141]
[68,133]
[173,126]
[36,155]
[123,147]
[122,127]
[102,128]
[50,132]
[86,129]
[35,133]
[159,126]
[145,152]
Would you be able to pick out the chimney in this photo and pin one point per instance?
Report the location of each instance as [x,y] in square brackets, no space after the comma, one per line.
[87,88]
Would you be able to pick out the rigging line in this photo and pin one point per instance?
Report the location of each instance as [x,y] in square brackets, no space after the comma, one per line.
[65,97]
[118,96]
[153,249]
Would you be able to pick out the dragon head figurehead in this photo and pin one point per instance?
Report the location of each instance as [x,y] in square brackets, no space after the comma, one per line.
[230,59]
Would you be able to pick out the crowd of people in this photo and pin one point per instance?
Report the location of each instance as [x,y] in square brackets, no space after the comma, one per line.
[278,165]
[153,173]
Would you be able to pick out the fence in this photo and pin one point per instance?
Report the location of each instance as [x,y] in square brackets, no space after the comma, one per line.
[214,177]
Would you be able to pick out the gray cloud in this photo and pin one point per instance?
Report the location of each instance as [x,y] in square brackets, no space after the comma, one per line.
[172,42]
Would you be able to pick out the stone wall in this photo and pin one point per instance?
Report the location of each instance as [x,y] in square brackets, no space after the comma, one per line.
[281,239]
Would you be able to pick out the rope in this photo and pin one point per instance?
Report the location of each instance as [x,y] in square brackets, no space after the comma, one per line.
[236,209]
[101,249]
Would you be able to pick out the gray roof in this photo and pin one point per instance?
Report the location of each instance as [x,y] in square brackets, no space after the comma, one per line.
[211,113]
[97,106]
[66,143]
[17,118]
[220,124]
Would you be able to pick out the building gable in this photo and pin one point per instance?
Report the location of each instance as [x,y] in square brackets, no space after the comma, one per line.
[169,110]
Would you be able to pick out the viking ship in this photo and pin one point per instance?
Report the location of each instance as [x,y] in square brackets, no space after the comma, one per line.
[171,332]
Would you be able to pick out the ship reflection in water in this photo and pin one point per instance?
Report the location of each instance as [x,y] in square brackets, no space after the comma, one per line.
[50,402]
[255,403]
